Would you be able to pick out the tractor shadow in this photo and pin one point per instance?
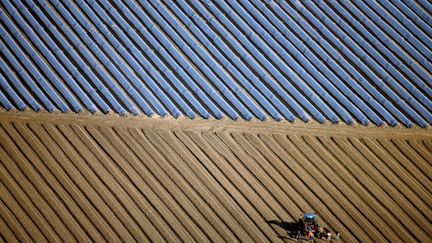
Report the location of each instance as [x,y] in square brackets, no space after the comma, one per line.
[291,228]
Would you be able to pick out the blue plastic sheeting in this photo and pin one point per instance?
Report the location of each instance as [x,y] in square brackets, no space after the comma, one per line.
[70,67]
[7,89]
[4,101]
[12,80]
[338,61]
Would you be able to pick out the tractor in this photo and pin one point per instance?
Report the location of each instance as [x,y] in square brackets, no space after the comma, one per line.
[308,223]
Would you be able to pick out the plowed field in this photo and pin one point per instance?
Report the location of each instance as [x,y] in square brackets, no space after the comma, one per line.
[80,178]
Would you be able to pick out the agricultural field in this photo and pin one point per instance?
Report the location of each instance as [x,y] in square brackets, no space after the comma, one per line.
[215,120]
[103,177]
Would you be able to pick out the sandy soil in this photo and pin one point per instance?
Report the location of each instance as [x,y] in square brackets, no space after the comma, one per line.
[108,178]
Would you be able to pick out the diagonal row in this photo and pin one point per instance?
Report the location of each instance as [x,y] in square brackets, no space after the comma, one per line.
[348,61]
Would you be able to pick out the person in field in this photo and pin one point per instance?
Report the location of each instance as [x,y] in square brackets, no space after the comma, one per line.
[311,236]
[337,235]
[329,236]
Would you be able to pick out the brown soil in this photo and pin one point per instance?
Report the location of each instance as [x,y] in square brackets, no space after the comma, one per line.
[107,178]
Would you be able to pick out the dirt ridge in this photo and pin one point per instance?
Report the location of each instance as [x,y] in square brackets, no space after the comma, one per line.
[223,125]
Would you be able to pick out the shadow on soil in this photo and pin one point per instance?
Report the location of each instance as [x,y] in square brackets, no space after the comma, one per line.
[292,228]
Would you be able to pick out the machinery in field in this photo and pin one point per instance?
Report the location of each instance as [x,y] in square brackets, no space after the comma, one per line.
[308,222]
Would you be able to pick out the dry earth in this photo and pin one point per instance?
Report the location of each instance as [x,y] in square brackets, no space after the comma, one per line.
[66,177]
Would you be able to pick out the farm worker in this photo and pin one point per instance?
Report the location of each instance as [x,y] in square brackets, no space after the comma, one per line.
[337,237]
[329,236]
[311,236]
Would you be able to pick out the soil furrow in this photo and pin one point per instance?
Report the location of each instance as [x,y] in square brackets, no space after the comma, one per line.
[325,176]
[24,174]
[149,187]
[124,151]
[86,194]
[398,182]
[258,180]
[15,193]
[105,172]
[128,212]
[262,144]
[93,188]
[75,199]
[404,162]
[251,189]
[289,167]
[421,151]
[189,178]
[192,202]
[390,186]
[233,185]
[61,202]
[398,170]
[177,188]
[7,235]
[215,183]
[361,183]
[428,144]
[21,224]
[256,174]
[340,178]
[214,217]
[415,159]
[277,185]
[362,172]
[121,152]
[324,201]
[267,175]
[171,194]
